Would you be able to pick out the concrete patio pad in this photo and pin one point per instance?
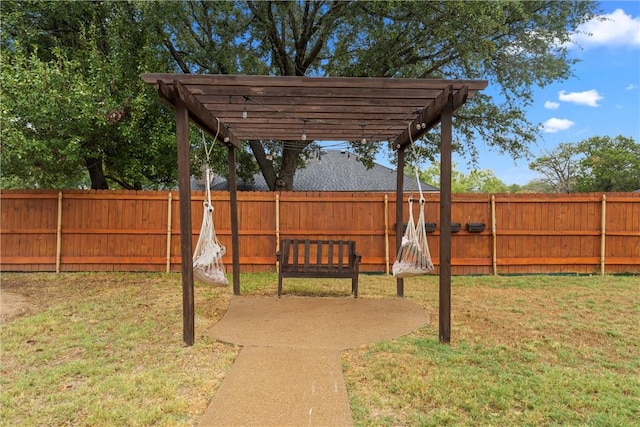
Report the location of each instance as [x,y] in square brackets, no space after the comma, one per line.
[289,372]
[324,323]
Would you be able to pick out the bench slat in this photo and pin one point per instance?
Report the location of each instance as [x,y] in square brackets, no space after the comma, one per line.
[330,253]
[295,253]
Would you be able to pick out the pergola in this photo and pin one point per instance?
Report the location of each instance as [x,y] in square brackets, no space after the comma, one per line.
[386,110]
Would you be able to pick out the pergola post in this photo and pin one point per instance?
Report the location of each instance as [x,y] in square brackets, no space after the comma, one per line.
[233,199]
[186,250]
[399,213]
[445,223]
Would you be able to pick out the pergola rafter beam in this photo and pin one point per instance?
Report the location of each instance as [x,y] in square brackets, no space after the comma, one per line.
[198,113]
[206,117]
[330,108]
[432,114]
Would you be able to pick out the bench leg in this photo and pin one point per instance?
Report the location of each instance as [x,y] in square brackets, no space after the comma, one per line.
[279,285]
[354,286]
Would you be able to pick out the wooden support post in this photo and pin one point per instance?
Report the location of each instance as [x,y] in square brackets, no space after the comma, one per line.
[445,224]
[184,184]
[277,230]
[603,235]
[399,214]
[233,199]
[169,220]
[59,233]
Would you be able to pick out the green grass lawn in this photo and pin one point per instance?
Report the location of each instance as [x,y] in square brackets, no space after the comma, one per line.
[105,349]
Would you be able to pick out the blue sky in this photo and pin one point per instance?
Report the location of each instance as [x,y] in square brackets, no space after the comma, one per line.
[602,98]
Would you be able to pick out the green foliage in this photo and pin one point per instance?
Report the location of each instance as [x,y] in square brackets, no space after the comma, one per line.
[534,186]
[92,113]
[600,163]
[609,164]
[205,37]
[73,100]
[476,181]
[513,44]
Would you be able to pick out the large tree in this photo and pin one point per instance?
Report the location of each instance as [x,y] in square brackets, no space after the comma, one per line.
[609,164]
[558,168]
[75,112]
[516,45]
[599,163]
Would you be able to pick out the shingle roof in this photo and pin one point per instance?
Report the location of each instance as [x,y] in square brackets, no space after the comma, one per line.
[336,171]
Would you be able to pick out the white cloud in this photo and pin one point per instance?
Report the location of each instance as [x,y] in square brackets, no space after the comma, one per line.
[554,125]
[613,29]
[551,105]
[631,87]
[588,97]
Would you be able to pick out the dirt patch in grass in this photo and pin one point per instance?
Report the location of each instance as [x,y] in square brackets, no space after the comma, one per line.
[25,297]
[25,294]
[12,305]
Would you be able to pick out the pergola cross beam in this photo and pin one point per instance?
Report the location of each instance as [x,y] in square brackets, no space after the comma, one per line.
[199,114]
[431,115]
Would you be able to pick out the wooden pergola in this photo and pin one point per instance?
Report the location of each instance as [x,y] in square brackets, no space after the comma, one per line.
[386,110]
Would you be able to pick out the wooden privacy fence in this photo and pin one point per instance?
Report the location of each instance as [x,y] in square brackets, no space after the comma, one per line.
[139,231]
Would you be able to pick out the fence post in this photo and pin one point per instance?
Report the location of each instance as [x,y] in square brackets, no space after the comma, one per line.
[170,199]
[603,233]
[386,233]
[59,232]
[494,235]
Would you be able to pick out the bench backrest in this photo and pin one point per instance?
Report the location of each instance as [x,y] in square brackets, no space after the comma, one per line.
[309,255]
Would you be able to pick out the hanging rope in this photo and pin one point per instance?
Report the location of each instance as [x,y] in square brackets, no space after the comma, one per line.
[207,257]
[209,149]
[414,258]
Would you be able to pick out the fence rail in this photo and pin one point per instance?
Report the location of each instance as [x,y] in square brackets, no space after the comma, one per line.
[140,230]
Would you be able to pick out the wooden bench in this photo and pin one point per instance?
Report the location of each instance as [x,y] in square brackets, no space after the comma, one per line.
[318,259]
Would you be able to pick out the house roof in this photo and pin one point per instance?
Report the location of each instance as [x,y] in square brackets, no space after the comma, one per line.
[336,170]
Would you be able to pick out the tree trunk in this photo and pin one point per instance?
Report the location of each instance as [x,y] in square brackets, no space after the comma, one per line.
[288,169]
[98,180]
[290,156]
[266,165]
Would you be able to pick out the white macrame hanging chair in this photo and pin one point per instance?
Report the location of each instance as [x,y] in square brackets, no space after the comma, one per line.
[414,258]
[207,257]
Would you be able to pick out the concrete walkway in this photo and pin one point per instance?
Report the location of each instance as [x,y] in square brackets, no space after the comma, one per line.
[289,372]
